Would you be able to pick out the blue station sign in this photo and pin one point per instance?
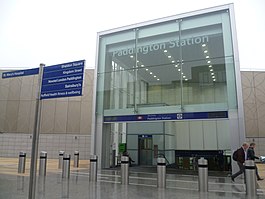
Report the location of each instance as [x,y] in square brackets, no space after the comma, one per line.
[168,116]
[62,80]
[18,73]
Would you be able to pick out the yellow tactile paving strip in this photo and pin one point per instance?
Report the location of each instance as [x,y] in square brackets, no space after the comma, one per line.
[10,166]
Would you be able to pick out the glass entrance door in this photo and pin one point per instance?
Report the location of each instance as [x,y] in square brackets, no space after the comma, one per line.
[145,149]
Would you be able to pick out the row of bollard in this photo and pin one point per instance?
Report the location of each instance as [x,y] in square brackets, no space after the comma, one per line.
[250,175]
[64,163]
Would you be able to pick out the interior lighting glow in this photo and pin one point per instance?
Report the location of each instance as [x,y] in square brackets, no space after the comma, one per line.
[207,57]
[146,69]
[206,51]
[184,76]
[213,76]
[210,66]
[151,73]
[154,76]
[179,69]
[169,56]
[176,65]
[172,61]
[214,80]
[158,79]
[186,79]
[142,65]
[211,69]
[212,73]
[131,56]
[165,51]
[203,45]
[208,61]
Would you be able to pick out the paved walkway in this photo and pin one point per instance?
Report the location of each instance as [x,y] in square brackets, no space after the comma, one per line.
[141,184]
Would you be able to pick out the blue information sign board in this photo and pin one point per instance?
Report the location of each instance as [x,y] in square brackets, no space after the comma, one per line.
[62,80]
[18,73]
[167,116]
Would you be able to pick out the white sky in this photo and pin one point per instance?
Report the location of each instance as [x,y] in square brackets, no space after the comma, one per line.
[59,31]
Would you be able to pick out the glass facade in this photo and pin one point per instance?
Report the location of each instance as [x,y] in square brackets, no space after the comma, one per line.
[179,65]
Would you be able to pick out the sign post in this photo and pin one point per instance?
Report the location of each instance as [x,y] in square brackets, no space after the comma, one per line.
[63,80]
[35,139]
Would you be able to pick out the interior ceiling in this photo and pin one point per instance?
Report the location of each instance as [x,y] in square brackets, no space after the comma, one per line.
[160,65]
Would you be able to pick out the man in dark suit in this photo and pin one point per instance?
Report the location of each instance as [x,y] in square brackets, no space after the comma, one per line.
[241,157]
[251,156]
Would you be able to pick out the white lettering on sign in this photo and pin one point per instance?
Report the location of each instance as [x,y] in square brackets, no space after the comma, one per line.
[73,85]
[65,79]
[162,46]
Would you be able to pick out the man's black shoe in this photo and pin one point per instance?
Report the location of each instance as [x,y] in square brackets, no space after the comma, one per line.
[260,179]
[233,179]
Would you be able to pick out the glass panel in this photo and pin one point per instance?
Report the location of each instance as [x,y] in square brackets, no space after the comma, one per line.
[119,88]
[157,64]
[115,74]
[203,61]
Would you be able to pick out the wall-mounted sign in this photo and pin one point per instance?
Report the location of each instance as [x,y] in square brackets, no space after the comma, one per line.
[63,80]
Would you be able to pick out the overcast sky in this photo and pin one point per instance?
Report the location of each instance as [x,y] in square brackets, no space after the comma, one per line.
[59,31]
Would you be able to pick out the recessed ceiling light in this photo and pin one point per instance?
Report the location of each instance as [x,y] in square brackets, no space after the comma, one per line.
[211,69]
[184,76]
[212,73]
[151,73]
[137,61]
[154,76]
[206,51]
[214,80]
[186,79]
[173,61]
[131,56]
[165,51]
[169,56]
[210,66]
[158,79]
[207,57]
[146,69]
[176,65]
[142,65]
[203,45]
[179,69]
[213,76]
[208,61]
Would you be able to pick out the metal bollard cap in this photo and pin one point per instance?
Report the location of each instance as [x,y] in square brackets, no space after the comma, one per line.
[93,157]
[22,153]
[161,160]
[124,158]
[66,156]
[76,152]
[249,163]
[202,161]
[61,152]
[43,154]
